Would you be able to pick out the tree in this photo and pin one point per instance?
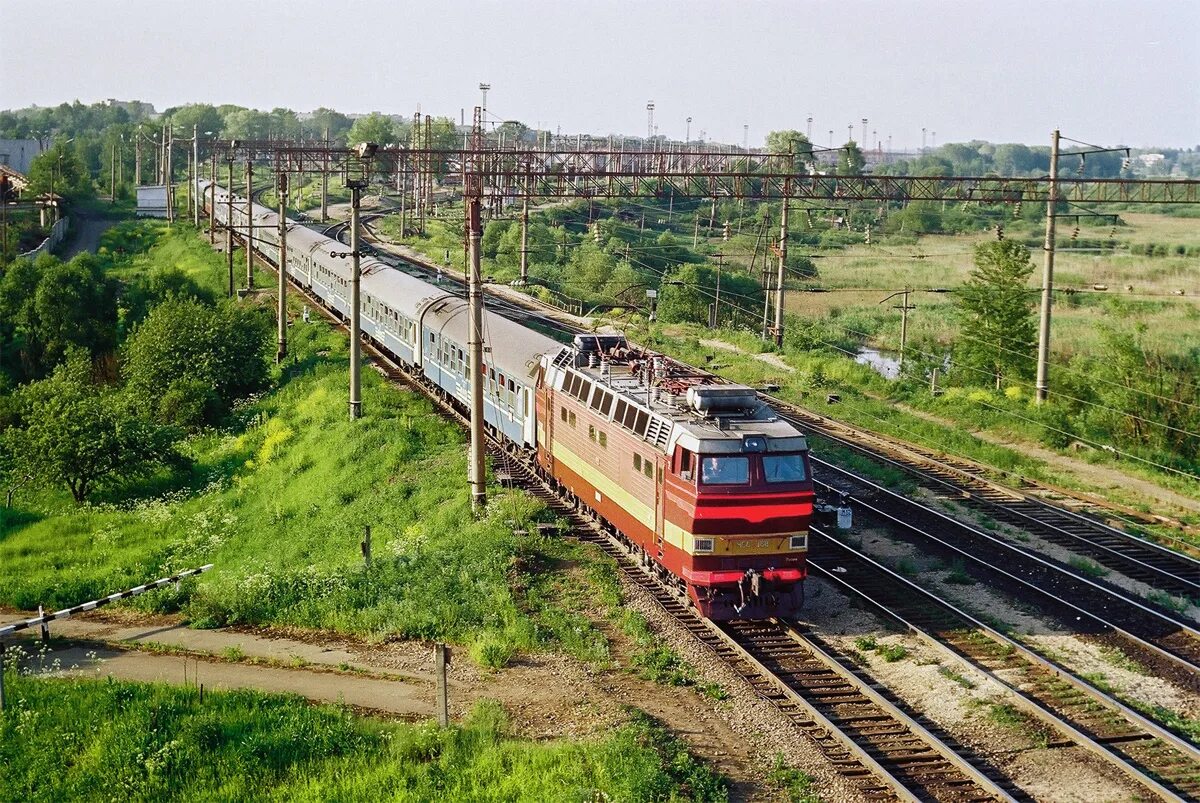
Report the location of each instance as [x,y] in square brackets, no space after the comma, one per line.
[794,142]
[78,435]
[203,116]
[1012,159]
[188,361]
[59,167]
[336,123]
[246,123]
[997,335]
[686,294]
[540,243]
[48,307]
[515,131]
[850,159]
[375,127]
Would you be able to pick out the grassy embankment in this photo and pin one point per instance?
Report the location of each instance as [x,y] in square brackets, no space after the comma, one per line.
[278,500]
[88,739]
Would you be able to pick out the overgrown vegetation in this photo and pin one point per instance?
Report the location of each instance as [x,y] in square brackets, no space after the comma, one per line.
[277,495]
[157,742]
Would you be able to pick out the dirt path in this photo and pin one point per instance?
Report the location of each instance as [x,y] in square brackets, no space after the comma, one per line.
[547,696]
[86,233]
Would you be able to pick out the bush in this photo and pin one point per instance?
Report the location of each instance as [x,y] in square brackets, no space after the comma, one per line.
[189,361]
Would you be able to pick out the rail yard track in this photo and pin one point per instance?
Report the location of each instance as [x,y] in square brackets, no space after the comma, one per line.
[1159,639]
[1167,569]
[900,760]
[1148,753]
[885,752]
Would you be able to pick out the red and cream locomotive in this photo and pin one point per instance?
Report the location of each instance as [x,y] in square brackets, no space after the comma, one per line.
[703,480]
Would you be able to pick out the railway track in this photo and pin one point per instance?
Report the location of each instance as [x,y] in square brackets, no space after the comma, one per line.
[1159,760]
[886,752]
[901,760]
[1163,568]
[1167,643]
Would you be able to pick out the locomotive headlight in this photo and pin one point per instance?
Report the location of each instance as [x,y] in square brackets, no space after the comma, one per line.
[799,541]
[754,443]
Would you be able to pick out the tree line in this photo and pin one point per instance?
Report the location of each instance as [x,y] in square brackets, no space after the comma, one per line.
[101,380]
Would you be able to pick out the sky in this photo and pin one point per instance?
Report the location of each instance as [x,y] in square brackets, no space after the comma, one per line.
[1106,72]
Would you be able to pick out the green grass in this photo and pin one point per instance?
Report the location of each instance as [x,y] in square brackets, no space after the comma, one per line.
[278,499]
[1011,718]
[656,662]
[100,740]
[958,575]
[1087,567]
[957,677]
[892,652]
[792,784]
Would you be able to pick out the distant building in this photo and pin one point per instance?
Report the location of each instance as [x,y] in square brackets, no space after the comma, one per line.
[1151,159]
[18,154]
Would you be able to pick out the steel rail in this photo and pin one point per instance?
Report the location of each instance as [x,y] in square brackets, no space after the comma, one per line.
[663,596]
[1181,661]
[1053,668]
[973,482]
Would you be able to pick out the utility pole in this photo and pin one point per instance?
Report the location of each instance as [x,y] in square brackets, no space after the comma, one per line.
[472,192]
[281,189]
[1043,387]
[766,232]
[229,225]
[783,240]
[190,179]
[212,199]
[403,204]
[193,191]
[904,308]
[325,179]
[137,159]
[716,305]
[441,660]
[524,241]
[249,223]
[168,172]
[356,187]
[112,176]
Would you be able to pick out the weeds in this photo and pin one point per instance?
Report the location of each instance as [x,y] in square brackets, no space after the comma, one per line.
[796,786]
[891,652]
[957,677]
[958,575]
[1087,567]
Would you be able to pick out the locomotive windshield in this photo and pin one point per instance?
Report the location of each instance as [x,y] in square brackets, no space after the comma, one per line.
[768,469]
[784,468]
[725,470]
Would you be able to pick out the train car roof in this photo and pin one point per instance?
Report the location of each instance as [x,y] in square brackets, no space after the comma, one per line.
[515,349]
